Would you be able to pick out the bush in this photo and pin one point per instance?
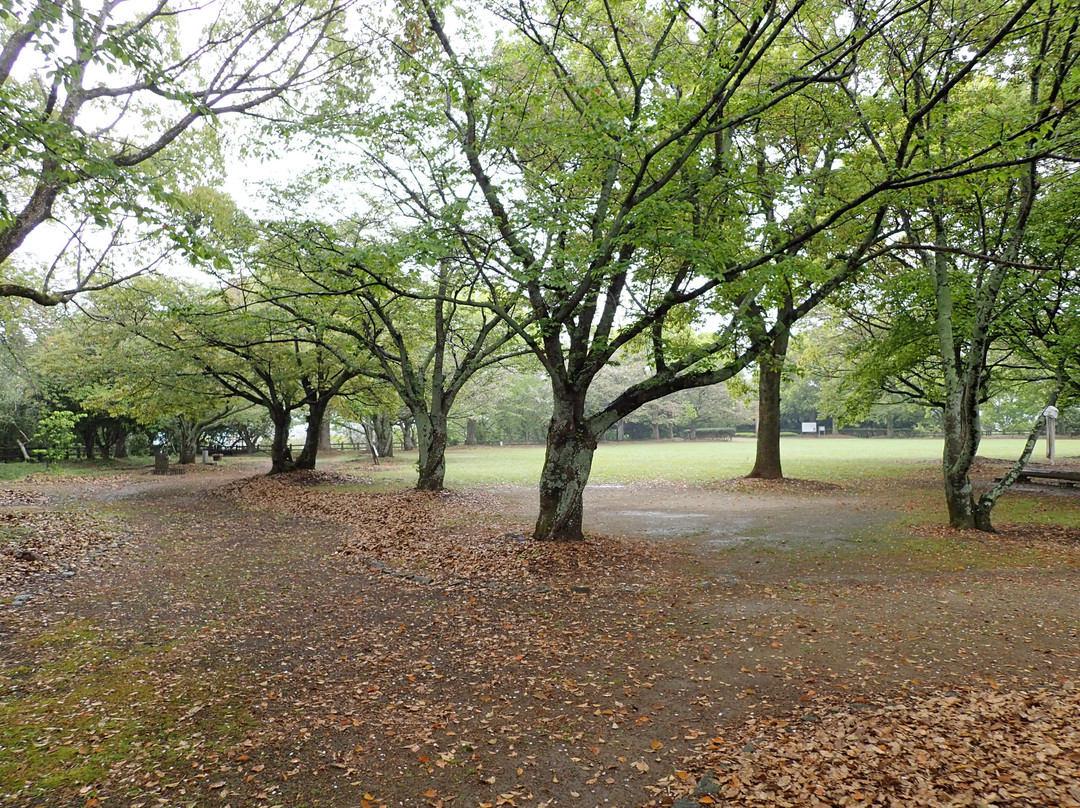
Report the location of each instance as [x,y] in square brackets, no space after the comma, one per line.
[713,433]
[57,431]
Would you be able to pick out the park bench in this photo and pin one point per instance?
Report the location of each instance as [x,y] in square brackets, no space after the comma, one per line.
[1067,477]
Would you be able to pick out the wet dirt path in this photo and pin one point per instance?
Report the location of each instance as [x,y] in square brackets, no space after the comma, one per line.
[280,675]
[709,520]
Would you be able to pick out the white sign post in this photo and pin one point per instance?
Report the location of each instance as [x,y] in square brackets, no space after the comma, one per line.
[1051,414]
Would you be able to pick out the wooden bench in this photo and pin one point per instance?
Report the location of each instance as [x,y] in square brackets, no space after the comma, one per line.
[1069,477]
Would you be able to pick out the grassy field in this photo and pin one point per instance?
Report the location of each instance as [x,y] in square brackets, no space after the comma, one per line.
[17,471]
[825,459]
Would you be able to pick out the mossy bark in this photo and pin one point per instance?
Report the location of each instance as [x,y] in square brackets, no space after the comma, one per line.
[571,444]
[431,440]
[315,418]
[280,456]
[767,464]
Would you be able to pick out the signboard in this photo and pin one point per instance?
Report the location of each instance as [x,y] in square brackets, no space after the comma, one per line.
[809,427]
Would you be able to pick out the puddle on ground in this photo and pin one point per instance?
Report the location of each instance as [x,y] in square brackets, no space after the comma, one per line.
[665,515]
[707,522]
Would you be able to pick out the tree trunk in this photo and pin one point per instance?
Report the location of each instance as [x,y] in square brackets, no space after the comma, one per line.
[384,435]
[959,498]
[408,434]
[120,447]
[280,455]
[188,450]
[620,431]
[312,437]
[251,442]
[470,432]
[770,372]
[325,441]
[656,431]
[567,463]
[963,433]
[185,437]
[431,435]
[104,445]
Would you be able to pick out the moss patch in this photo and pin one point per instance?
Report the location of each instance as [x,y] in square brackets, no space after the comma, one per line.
[93,709]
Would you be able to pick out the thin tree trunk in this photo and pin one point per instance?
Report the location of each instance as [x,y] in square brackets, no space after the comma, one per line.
[567,463]
[470,432]
[656,431]
[985,504]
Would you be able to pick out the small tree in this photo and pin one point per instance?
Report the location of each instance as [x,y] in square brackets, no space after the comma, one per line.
[57,431]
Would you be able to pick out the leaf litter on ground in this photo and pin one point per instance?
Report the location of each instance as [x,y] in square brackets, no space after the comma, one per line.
[421,691]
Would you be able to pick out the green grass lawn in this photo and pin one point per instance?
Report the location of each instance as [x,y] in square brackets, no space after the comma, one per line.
[827,459]
[17,471]
[701,462]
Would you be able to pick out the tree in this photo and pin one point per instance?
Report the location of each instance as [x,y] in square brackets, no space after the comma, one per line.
[56,432]
[418,319]
[94,98]
[509,404]
[970,240]
[598,157]
[257,354]
[20,404]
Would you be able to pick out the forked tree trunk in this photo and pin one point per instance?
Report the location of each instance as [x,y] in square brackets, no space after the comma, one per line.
[186,438]
[567,463]
[963,433]
[188,450]
[431,439]
[770,373]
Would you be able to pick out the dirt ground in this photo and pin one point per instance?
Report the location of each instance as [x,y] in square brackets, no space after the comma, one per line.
[219,638]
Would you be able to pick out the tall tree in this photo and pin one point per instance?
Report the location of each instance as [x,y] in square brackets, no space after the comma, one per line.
[601,157]
[970,237]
